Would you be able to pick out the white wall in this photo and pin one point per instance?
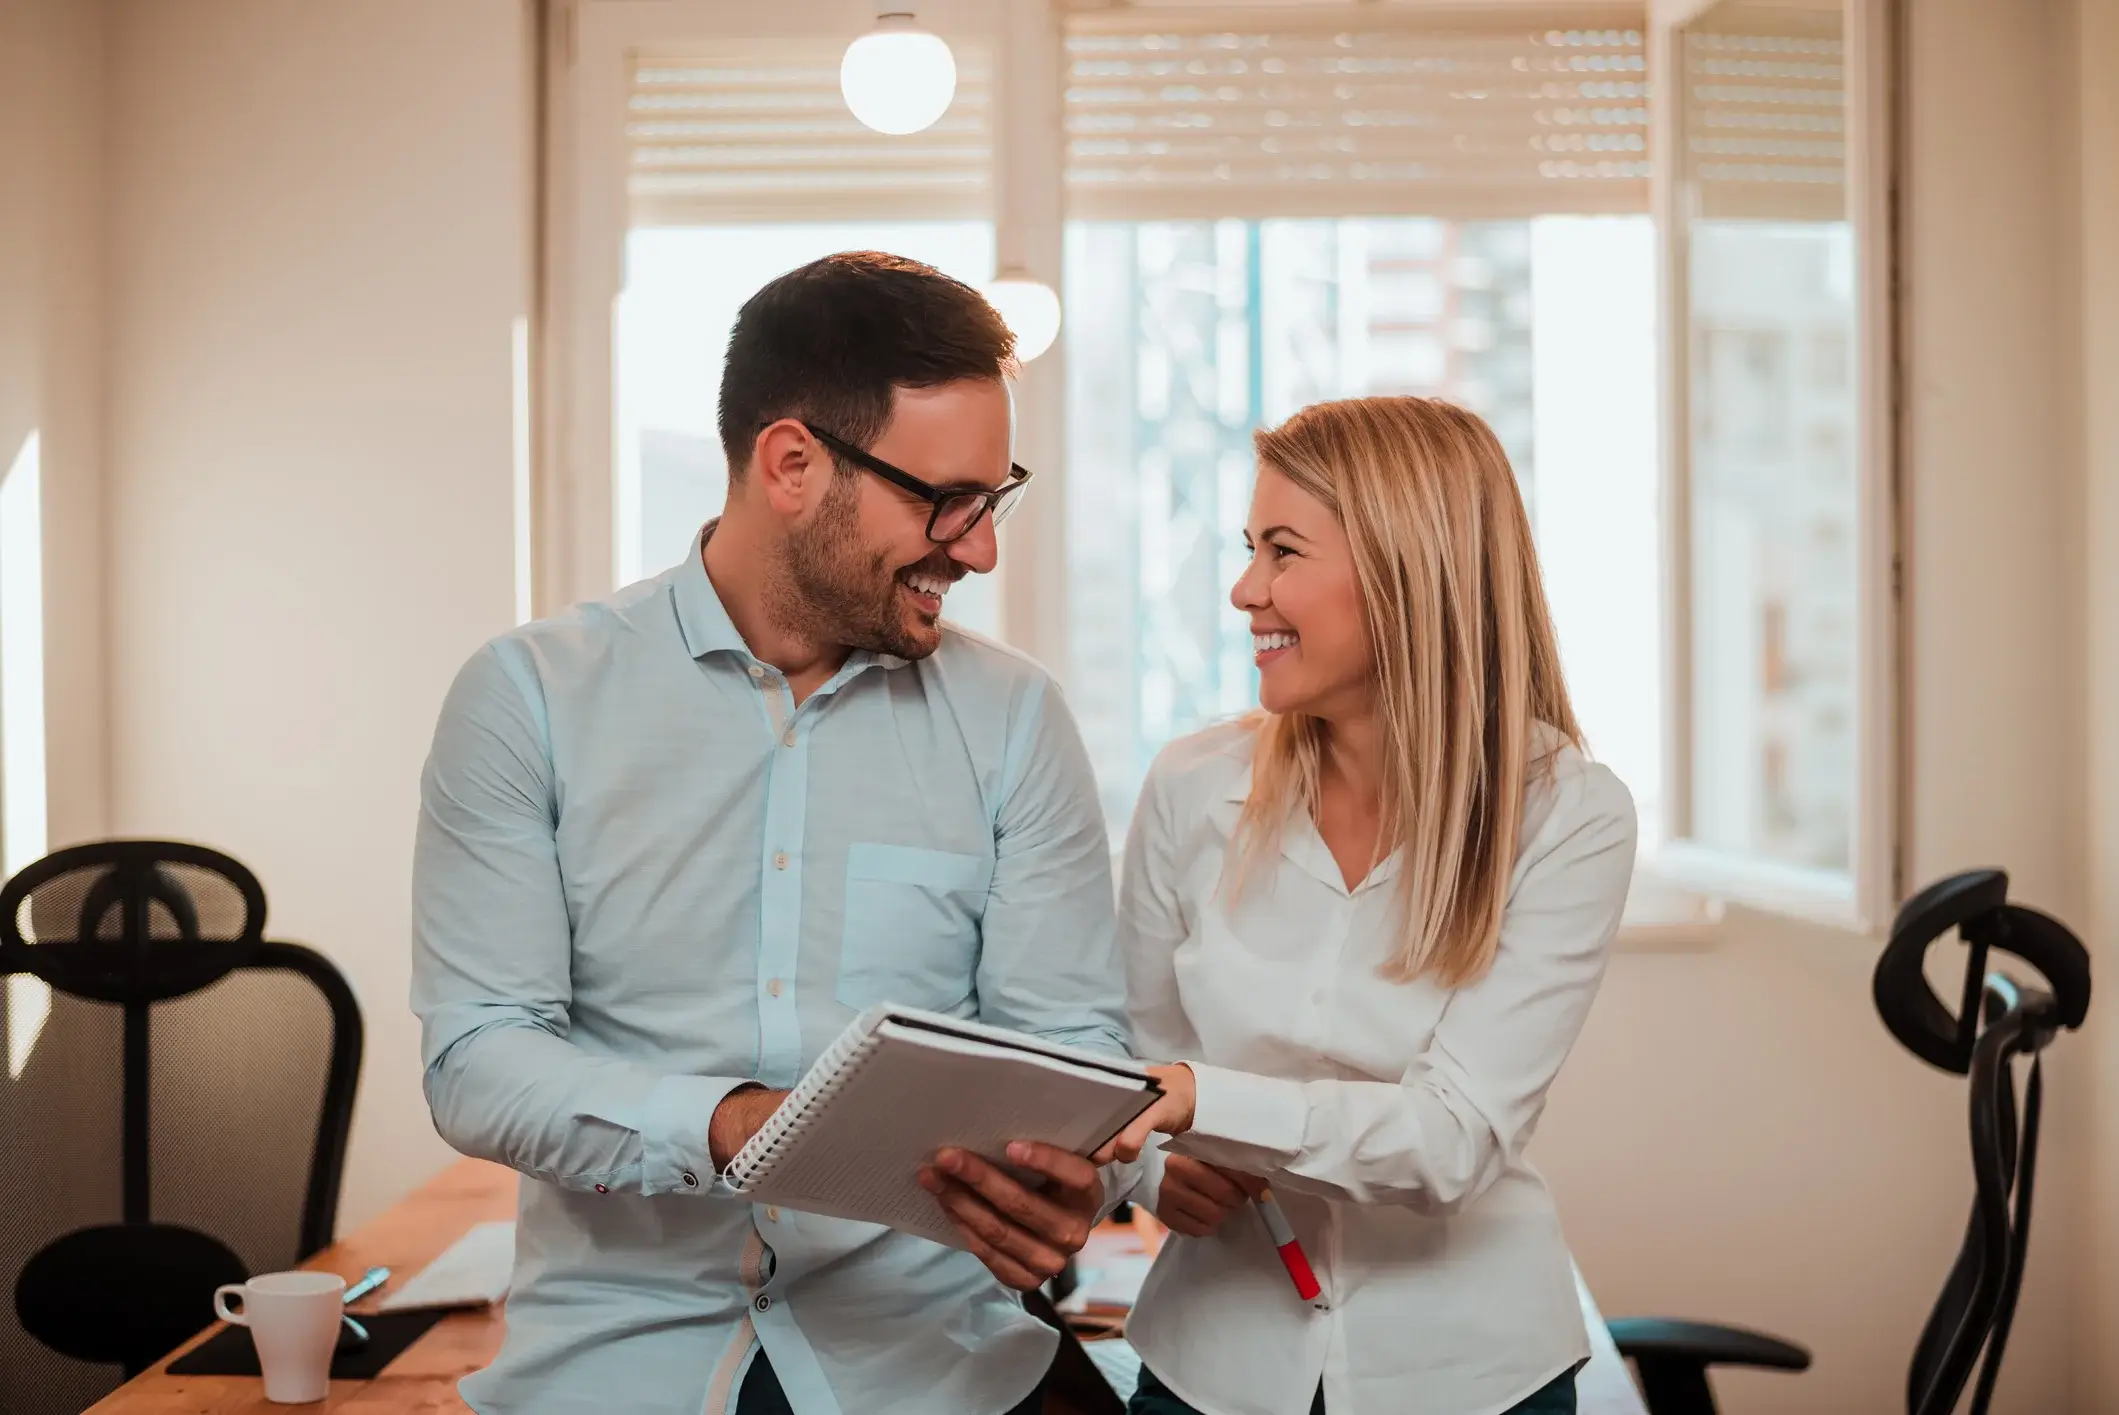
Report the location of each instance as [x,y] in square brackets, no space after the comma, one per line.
[51,160]
[1996,566]
[317,251]
[2096,49]
[1736,1138]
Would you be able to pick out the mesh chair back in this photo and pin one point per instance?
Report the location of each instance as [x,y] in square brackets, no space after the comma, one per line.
[1998,1020]
[177,1102]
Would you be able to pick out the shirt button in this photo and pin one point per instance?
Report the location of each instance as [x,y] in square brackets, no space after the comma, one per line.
[691,1180]
[780,860]
[764,1303]
[603,1188]
[789,739]
[772,1213]
[773,987]
[756,671]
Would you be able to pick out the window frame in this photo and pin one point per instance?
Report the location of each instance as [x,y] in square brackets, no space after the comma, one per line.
[1863,897]
[581,217]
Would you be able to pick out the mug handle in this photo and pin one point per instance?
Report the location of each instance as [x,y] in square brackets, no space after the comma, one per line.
[221,1295]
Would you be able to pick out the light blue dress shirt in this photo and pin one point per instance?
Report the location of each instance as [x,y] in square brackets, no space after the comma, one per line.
[645,877]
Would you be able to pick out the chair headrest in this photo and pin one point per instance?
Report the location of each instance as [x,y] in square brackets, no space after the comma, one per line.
[1975,904]
[131,921]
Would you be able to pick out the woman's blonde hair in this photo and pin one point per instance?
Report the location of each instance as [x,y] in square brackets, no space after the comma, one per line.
[1466,665]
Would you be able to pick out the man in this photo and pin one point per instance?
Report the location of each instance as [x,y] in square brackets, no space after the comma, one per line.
[671,842]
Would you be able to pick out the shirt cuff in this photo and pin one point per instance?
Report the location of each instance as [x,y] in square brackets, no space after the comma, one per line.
[1148,1182]
[674,1158]
[1118,1182]
[1239,1107]
[1127,1181]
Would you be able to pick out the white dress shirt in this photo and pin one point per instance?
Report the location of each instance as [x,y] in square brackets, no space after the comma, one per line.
[1389,1117]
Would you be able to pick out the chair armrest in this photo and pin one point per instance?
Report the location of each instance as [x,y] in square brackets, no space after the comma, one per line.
[1704,1343]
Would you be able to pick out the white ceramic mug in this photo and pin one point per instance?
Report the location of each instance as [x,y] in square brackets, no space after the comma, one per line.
[294,1319]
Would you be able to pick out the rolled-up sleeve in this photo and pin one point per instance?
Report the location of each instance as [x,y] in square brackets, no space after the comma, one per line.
[1438,1137]
[492,963]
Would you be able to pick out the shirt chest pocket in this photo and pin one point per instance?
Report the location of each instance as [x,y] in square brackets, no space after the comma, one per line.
[912,926]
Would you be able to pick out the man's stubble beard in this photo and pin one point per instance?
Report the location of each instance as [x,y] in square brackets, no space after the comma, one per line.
[835,590]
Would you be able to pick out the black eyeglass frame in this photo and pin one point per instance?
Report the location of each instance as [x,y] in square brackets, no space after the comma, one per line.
[998,501]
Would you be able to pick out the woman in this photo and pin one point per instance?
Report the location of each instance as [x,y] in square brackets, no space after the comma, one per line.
[1365,925]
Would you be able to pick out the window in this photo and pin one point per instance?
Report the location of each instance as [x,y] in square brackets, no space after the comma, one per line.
[1780,448]
[1256,275]
[22,803]
[1773,511]
[1670,301]
[1185,336]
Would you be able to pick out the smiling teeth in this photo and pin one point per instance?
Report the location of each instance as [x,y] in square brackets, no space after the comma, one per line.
[928,584]
[1263,643]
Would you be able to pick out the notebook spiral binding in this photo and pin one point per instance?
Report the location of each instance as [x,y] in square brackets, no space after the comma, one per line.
[836,1067]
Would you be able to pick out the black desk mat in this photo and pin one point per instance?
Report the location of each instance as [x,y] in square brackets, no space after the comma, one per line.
[232,1353]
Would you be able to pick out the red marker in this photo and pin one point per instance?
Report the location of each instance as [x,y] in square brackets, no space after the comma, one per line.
[1291,1255]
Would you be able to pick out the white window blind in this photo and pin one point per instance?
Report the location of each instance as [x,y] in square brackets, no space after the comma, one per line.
[1278,112]
[761,133]
[1765,113]
[1180,114]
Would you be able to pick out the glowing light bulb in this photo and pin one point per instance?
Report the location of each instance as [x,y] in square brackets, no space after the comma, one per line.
[898,78]
[1029,308]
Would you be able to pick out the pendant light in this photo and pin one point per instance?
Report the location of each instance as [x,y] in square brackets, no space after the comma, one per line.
[898,78]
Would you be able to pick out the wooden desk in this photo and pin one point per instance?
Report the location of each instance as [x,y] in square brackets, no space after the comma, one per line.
[423,1380]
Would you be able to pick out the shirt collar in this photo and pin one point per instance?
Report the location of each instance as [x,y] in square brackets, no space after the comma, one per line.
[703,619]
[701,616]
[1302,847]
[1306,850]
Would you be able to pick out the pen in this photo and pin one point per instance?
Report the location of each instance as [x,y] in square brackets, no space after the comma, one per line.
[1290,1249]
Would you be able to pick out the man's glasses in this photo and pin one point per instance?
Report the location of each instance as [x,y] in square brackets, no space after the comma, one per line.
[955,511]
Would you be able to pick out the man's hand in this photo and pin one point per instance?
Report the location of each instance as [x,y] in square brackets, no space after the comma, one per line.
[736,1119]
[1195,1197]
[1023,1236]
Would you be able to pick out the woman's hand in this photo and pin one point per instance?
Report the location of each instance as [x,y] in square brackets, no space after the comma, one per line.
[1171,1115]
[1196,1197]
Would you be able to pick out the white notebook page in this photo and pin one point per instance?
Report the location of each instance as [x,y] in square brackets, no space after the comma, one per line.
[912,1091]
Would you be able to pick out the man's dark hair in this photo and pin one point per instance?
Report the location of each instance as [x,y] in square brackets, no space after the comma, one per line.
[831,341]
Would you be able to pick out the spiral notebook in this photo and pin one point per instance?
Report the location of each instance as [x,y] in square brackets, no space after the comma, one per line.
[900,1084]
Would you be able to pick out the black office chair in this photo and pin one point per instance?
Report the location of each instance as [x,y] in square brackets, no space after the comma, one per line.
[1673,1357]
[176,1107]
[1998,1020]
